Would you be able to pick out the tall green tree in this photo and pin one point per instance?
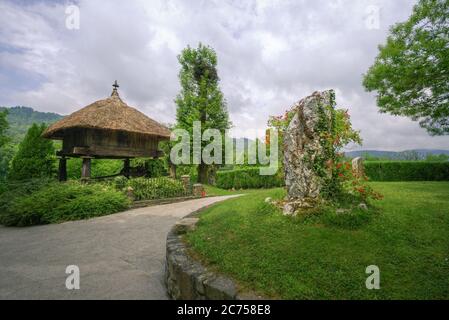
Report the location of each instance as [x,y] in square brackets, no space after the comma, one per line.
[3,127]
[35,156]
[6,149]
[200,98]
[411,72]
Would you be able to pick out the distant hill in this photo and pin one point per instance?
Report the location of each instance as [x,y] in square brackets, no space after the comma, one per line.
[21,118]
[416,154]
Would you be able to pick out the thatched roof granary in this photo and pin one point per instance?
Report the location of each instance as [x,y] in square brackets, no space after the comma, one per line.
[107,128]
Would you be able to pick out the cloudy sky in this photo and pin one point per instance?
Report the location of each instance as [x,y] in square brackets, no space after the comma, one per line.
[271,54]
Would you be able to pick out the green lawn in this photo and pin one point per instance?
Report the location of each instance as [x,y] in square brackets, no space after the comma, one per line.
[284,257]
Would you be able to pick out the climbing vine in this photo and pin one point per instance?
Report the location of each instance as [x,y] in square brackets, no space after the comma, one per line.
[335,130]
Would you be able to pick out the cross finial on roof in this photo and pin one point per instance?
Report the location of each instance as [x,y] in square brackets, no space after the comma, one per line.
[114,91]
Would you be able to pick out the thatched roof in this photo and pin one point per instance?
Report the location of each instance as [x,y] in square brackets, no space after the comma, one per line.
[108,114]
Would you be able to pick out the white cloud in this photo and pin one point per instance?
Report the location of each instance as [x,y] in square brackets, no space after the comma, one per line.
[271,53]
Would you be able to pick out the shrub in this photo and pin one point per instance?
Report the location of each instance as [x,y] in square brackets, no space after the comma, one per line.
[156,188]
[247,178]
[407,170]
[120,182]
[11,191]
[35,157]
[58,202]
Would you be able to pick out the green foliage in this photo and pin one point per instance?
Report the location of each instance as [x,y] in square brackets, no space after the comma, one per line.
[437,157]
[248,178]
[3,127]
[156,188]
[411,72]
[200,98]
[13,191]
[152,168]
[58,202]
[35,157]
[407,170]
[375,171]
[120,182]
[7,150]
[99,167]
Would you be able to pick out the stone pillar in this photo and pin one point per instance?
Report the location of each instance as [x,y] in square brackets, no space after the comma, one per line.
[85,170]
[126,168]
[186,182]
[198,190]
[62,176]
[357,167]
[302,148]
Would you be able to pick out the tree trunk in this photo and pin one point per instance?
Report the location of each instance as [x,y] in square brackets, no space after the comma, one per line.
[172,168]
[202,173]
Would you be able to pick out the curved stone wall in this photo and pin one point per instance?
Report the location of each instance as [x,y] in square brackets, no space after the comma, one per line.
[186,278]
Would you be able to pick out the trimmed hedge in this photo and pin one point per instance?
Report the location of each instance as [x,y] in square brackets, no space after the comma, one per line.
[407,170]
[376,171]
[248,178]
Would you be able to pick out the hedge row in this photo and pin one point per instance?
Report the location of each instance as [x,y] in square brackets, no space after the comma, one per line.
[407,170]
[376,171]
[248,178]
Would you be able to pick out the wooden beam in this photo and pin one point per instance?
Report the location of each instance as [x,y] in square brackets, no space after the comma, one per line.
[115,152]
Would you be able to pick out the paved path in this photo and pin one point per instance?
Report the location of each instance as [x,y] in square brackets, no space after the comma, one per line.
[120,256]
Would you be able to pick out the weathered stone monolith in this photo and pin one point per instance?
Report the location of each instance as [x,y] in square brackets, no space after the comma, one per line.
[303,150]
[357,167]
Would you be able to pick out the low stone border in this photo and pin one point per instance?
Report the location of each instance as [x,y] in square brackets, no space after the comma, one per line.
[186,278]
[148,203]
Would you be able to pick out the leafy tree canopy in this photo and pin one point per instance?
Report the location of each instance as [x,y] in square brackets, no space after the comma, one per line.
[200,98]
[411,72]
[3,127]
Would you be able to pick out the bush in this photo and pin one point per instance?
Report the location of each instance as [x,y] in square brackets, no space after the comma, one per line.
[35,157]
[11,191]
[58,202]
[248,178]
[156,188]
[407,170]
[120,182]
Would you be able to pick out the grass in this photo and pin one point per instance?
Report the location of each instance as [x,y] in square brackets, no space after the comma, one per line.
[293,258]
